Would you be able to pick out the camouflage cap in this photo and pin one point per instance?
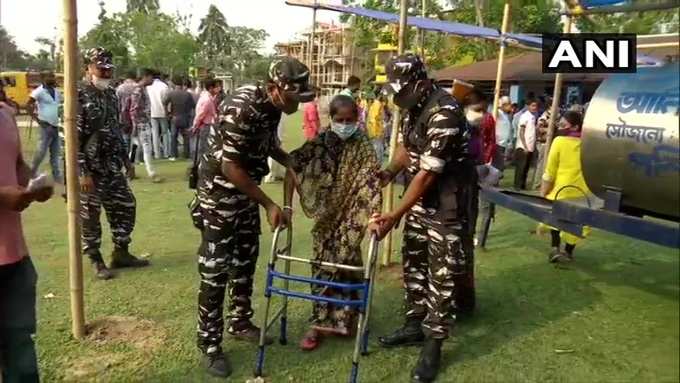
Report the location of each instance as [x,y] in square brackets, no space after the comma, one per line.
[292,76]
[402,70]
[100,57]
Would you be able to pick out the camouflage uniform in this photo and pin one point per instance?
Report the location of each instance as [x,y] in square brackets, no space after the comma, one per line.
[228,219]
[101,155]
[437,246]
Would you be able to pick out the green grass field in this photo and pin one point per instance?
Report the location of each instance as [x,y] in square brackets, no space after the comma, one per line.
[612,316]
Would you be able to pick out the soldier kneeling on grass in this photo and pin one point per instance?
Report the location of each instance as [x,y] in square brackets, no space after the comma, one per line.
[226,207]
[439,208]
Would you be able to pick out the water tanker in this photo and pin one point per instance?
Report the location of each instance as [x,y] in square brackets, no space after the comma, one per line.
[630,148]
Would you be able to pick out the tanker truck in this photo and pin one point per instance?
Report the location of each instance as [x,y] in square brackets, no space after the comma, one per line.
[630,150]
[630,159]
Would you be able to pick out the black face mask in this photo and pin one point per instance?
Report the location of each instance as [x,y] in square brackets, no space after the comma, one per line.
[408,97]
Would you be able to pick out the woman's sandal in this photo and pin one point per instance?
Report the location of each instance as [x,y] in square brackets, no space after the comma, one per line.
[310,341]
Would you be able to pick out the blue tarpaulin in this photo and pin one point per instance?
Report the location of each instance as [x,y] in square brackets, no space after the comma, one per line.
[600,3]
[458,29]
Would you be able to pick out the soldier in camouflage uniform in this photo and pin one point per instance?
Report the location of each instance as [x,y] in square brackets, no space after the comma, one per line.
[102,162]
[438,206]
[226,208]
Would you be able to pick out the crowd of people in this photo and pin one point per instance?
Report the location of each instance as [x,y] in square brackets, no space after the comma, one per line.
[446,149]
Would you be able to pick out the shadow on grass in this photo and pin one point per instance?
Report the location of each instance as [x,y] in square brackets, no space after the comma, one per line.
[518,301]
[634,269]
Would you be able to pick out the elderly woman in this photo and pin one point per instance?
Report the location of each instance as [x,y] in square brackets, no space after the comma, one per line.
[563,179]
[334,175]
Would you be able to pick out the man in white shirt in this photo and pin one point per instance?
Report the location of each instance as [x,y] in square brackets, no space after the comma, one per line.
[504,139]
[48,99]
[160,127]
[525,144]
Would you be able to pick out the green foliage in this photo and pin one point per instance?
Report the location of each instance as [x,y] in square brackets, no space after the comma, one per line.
[169,50]
[527,16]
[127,35]
[214,34]
[111,33]
[13,58]
[232,49]
[143,6]
[145,37]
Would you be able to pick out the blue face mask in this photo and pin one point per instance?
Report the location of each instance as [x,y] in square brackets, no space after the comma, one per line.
[344,131]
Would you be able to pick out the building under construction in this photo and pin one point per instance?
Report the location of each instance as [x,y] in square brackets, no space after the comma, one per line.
[334,56]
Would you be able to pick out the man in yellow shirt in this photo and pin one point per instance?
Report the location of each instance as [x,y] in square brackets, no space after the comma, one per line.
[375,126]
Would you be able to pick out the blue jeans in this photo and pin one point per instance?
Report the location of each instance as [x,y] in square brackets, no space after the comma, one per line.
[179,127]
[160,131]
[18,359]
[49,140]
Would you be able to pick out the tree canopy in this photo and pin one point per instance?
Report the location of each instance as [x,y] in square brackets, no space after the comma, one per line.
[11,57]
[214,34]
[143,36]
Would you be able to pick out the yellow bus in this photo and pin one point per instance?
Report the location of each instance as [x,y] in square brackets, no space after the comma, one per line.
[19,85]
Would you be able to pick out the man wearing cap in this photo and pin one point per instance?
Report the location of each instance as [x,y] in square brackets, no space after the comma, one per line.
[103,164]
[226,205]
[438,208]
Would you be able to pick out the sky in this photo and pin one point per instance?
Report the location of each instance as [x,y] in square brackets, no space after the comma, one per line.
[26,20]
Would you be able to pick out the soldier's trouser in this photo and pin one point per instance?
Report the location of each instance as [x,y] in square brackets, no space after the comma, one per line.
[433,258]
[113,192]
[227,258]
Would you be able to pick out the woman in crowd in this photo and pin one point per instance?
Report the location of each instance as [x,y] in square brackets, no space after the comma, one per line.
[334,175]
[563,179]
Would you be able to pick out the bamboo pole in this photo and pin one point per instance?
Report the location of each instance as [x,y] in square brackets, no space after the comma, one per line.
[659,45]
[396,122]
[501,57]
[310,46]
[72,203]
[422,31]
[557,92]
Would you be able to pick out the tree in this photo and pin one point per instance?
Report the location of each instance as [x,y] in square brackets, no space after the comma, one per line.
[214,35]
[231,49]
[244,45]
[144,38]
[143,6]
[11,56]
[170,49]
[111,33]
[527,16]
[49,44]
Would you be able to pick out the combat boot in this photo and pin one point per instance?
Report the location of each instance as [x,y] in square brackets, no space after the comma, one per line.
[410,334]
[428,363]
[99,267]
[246,331]
[121,258]
[217,364]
